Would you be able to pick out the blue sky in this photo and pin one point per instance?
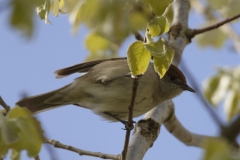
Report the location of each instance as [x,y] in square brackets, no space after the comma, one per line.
[28,66]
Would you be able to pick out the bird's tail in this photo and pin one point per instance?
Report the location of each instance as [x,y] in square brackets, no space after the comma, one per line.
[44,101]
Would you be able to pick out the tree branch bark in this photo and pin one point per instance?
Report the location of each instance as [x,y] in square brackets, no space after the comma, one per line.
[81,152]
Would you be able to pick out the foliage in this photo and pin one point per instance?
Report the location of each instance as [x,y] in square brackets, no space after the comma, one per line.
[225,86]
[19,130]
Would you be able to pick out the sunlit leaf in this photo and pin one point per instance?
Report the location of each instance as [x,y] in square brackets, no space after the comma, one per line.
[232,104]
[161,64]
[158,26]
[55,7]
[231,9]
[43,11]
[169,14]
[95,42]
[216,88]
[15,155]
[217,149]
[156,49]
[22,16]
[159,6]
[20,131]
[218,4]
[138,58]
[137,21]
[215,38]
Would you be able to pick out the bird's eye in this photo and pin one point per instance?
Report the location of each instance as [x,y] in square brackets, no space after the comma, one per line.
[172,78]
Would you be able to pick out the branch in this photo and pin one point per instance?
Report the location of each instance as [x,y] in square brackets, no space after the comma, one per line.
[227,29]
[195,32]
[130,115]
[81,152]
[183,135]
[4,105]
[147,130]
[201,98]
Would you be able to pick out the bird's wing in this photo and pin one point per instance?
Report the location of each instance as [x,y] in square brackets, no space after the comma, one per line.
[82,67]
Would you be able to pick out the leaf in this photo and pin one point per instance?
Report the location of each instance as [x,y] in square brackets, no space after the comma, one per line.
[214,38]
[43,11]
[216,88]
[94,42]
[55,7]
[158,26]
[161,64]
[157,49]
[22,16]
[232,104]
[138,58]
[217,149]
[231,9]
[218,4]
[137,21]
[15,155]
[159,6]
[20,131]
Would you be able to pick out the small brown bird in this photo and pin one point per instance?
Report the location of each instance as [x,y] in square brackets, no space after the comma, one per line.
[107,88]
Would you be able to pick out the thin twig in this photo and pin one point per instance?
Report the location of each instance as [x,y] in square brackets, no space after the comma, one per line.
[37,157]
[138,36]
[130,116]
[201,97]
[4,105]
[81,152]
[214,26]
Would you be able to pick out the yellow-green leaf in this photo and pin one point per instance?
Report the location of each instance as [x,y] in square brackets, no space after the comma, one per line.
[161,64]
[159,6]
[158,26]
[22,16]
[95,42]
[19,130]
[215,38]
[157,49]
[216,88]
[218,4]
[232,104]
[138,58]
[15,155]
[217,149]
[55,7]
[43,11]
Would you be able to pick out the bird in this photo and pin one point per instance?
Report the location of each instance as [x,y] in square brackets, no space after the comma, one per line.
[106,89]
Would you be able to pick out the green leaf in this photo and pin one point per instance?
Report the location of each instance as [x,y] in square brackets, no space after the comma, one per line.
[158,26]
[230,9]
[94,42]
[218,4]
[214,38]
[15,155]
[20,131]
[55,7]
[22,16]
[43,11]
[161,64]
[216,88]
[232,104]
[157,49]
[159,6]
[138,58]
[217,149]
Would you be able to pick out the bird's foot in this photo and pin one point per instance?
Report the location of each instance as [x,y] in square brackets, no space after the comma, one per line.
[128,126]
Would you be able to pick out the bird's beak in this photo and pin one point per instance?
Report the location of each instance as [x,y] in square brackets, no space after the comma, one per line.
[187,88]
